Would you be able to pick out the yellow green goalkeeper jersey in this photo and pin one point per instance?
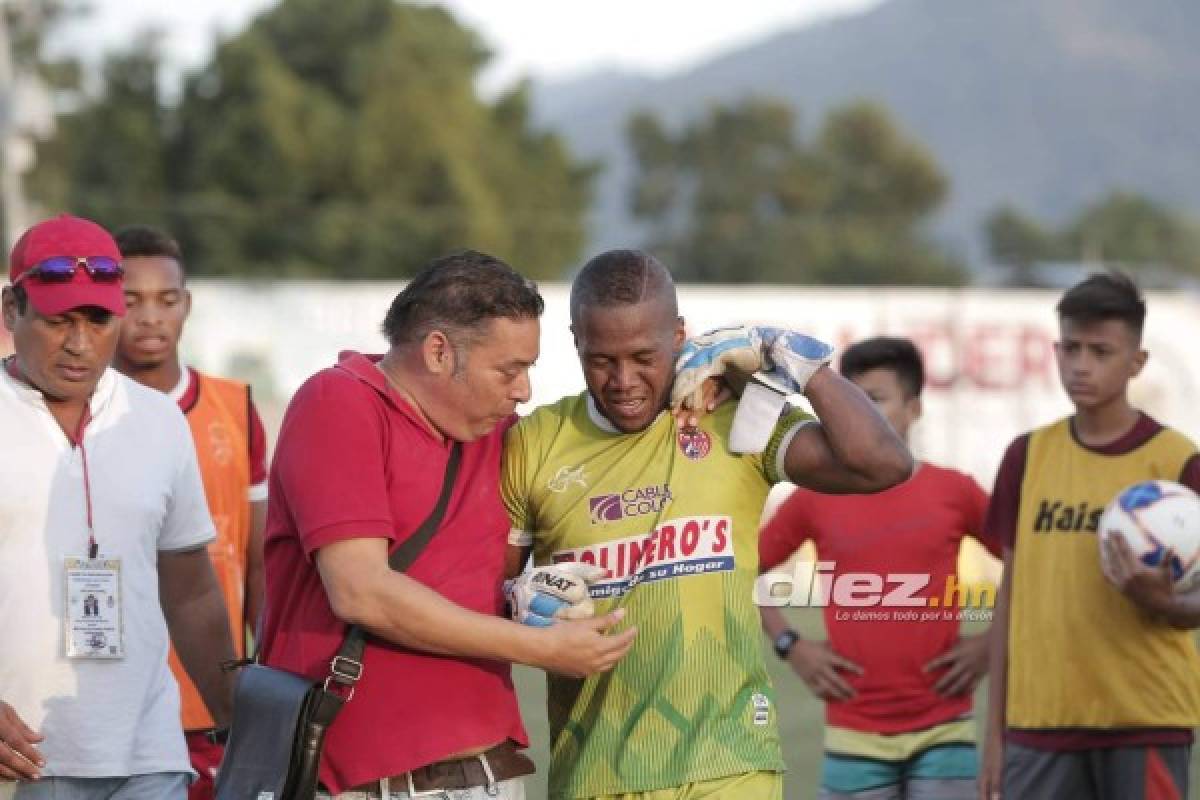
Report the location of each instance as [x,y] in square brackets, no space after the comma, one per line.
[673,515]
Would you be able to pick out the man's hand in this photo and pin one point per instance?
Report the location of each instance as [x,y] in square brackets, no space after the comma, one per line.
[965,663]
[991,770]
[818,666]
[542,595]
[198,621]
[19,759]
[712,393]
[578,648]
[783,359]
[1152,588]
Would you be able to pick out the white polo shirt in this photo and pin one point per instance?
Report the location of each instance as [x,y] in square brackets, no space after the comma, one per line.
[100,718]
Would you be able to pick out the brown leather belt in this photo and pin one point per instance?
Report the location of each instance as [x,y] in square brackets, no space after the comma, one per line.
[504,760]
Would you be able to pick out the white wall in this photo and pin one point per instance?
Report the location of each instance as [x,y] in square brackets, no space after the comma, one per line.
[989,353]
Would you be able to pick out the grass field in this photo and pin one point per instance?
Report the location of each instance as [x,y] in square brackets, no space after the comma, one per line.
[800,720]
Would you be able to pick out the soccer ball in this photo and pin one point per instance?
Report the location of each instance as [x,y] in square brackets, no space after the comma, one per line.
[1154,517]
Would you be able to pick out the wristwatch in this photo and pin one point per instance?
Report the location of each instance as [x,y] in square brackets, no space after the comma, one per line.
[784,643]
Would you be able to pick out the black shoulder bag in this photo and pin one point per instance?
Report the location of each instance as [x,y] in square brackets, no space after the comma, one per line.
[280,718]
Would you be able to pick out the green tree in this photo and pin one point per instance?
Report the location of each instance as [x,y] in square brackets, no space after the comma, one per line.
[29,23]
[1123,229]
[108,159]
[1019,241]
[331,137]
[1133,229]
[737,197]
[29,82]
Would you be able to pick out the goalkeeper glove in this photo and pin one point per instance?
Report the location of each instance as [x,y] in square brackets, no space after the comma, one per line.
[782,359]
[558,591]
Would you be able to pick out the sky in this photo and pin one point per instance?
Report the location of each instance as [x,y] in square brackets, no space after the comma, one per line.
[545,39]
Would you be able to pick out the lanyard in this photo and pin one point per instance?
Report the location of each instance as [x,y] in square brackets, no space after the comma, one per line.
[84,419]
[76,441]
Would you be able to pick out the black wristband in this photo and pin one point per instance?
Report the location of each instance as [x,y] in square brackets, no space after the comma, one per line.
[784,643]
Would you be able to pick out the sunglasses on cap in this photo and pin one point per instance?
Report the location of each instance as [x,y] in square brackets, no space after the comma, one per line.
[61,269]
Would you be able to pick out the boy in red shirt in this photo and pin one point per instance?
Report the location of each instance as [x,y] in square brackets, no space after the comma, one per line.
[895,674]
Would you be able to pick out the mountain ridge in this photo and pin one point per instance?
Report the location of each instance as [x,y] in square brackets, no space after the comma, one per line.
[1045,104]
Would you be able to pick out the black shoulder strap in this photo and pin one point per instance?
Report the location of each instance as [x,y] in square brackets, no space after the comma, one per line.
[346,667]
[403,556]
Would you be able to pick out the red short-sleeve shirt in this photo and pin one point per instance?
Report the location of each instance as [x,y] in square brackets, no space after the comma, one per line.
[354,460]
[910,530]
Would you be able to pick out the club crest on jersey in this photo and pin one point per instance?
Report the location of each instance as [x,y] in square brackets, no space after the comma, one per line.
[694,443]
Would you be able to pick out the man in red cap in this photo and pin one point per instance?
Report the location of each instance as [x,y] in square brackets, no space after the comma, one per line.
[103,528]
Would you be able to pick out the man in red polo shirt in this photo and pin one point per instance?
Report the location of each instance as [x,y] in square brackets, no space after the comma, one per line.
[358,467]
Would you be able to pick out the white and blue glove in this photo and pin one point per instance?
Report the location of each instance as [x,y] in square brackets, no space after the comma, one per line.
[783,360]
[541,595]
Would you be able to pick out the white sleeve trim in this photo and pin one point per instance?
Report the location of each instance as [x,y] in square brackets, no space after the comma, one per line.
[199,542]
[520,538]
[784,444]
[257,493]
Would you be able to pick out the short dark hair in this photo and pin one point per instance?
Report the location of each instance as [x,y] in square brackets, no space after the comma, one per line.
[619,278]
[144,240]
[458,294]
[898,354]
[1103,296]
[21,297]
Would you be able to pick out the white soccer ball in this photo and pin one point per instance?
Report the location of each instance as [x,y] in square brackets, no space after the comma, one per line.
[1156,517]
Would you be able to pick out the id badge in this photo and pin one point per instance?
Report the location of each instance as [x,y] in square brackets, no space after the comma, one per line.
[93,608]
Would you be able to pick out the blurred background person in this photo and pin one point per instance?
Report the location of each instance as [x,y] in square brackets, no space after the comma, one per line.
[1095,688]
[231,447]
[897,691]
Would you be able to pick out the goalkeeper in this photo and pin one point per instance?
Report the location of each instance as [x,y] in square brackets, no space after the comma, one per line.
[663,521]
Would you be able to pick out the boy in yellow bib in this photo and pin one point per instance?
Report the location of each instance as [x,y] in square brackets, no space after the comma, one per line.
[1095,689]
[670,518]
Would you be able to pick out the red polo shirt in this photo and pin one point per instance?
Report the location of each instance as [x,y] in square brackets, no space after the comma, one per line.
[914,527]
[354,460]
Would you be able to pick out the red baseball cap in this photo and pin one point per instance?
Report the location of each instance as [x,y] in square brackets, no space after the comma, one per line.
[73,237]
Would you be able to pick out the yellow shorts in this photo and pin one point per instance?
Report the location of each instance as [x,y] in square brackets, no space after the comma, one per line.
[747,786]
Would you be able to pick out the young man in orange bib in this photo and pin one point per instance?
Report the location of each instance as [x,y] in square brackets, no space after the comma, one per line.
[230,446]
[1095,686]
